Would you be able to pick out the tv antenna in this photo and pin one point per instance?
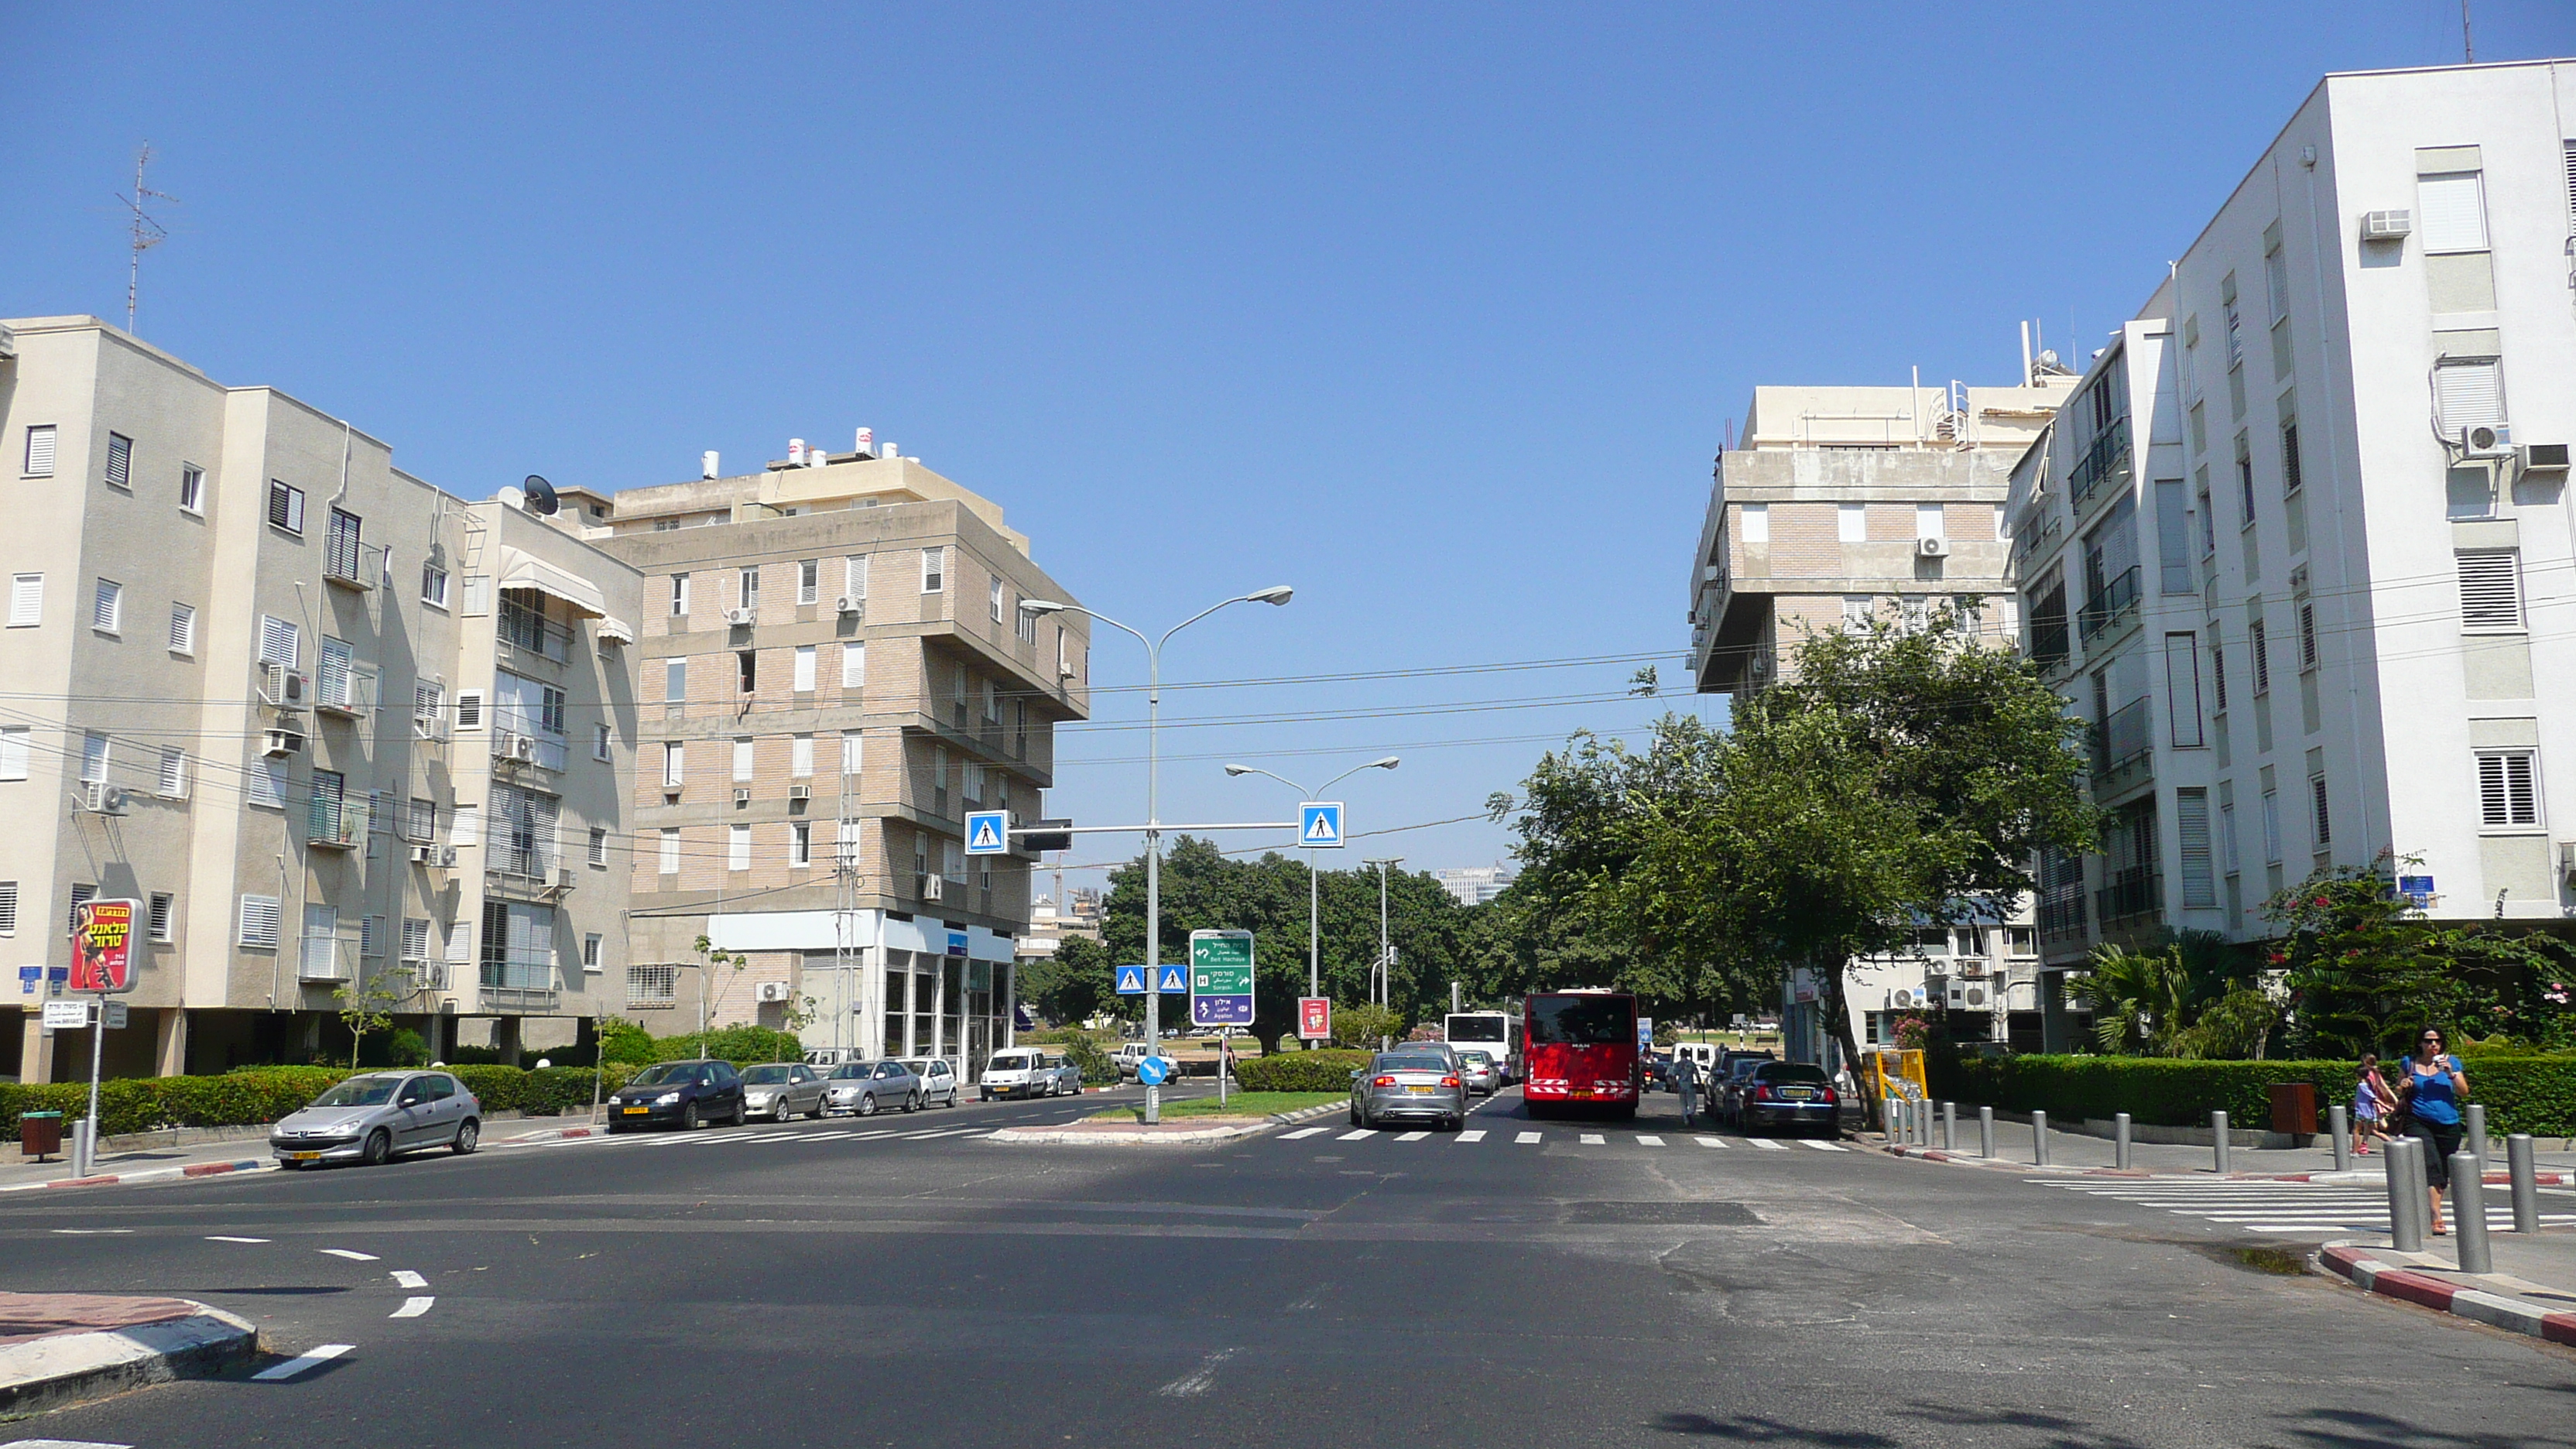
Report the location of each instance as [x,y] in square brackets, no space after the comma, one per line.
[146,233]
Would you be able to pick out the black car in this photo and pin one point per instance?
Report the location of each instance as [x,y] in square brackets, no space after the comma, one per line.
[1795,1095]
[1659,1072]
[686,1093]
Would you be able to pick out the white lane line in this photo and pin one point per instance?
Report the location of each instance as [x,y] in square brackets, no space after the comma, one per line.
[1767,1143]
[93,1232]
[222,1238]
[1476,1136]
[1198,1380]
[1355,1136]
[1594,1139]
[412,1308]
[304,1363]
[1411,1136]
[1305,1132]
[1710,1141]
[1527,1138]
[406,1278]
[352,1254]
[951,1132]
[828,1136]
[1826,1146]
[1645,1139]
[872,1136]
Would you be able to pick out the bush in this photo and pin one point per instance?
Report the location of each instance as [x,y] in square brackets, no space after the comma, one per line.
[473,1056]
[2522,1094]
[1099,1069]
[1326,1071]
[252,1096]
[741,1045]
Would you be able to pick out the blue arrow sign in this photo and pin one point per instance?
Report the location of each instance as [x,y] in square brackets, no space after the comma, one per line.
[1152,1070]
[1319,824]
[988,832]
[1131,980]
[1173,981]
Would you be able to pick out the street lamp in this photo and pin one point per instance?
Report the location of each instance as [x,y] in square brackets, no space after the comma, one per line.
[1385,957]
[1275,594]
[1314,915]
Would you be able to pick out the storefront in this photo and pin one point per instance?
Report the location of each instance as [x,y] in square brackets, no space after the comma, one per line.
[889,983]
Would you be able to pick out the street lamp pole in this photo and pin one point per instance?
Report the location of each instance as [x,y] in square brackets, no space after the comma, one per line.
[1276,594]
[1385,963]
[1314,912]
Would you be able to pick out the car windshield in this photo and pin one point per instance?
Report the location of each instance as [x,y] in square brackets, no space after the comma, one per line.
[850,1071]
[1791,1072]
[360,1092]
[764,1076]
[1009,1061]
[1476,1059]
[665,1073]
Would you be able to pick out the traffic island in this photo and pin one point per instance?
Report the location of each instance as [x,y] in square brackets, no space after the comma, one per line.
[59,1349]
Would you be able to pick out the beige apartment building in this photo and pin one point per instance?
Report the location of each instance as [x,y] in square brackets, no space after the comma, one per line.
[835,669]
[336,730]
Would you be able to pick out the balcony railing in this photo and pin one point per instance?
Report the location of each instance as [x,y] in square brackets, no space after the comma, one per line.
[2061,912]
[2116,600]
[352,564]
[335,822]
[524,856]
[520,971]
[2136,891]
[2107,461]
[2120,745]
[346,690]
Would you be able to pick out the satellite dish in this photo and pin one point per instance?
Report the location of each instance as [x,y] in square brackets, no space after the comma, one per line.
[541,495]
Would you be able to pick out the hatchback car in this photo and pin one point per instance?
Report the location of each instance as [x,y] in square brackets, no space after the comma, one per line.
[1795,1095]
[681,1094]
[938,1080]
[782,1090]
[866,1088]
[370,1118]
[1476,1068]
[1415,1085]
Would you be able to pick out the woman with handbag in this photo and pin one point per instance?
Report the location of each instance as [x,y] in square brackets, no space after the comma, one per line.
[2432,1094]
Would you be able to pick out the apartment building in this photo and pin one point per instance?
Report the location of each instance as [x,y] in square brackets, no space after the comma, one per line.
[836,667]
[253,670]
[2300,553]
[1476,885]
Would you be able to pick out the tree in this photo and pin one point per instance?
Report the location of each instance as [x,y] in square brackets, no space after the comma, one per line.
[711,989]
[366,1006]
[2139,1001]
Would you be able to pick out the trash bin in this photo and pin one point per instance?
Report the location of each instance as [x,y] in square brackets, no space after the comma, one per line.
[2294,1110]
[40,1135]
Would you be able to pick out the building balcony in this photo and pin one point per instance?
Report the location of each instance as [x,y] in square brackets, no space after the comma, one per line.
[2123,752]
[2114,603]
[2105,464]
[334,823]
[352,564]
[2128,894]
[2061,912]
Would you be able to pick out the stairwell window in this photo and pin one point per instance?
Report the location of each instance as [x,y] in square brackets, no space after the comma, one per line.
[2509,789]
[8,908]
[2320,822]
[107,606]
[157,918]
[2258,643]
[120,461]
[286,506]
[2191,820]
[40,451]
[2291,474]
[2491,591]
[2307,638]
[173,781]
[183,629]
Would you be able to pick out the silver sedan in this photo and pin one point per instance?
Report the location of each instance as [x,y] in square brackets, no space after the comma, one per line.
[370,1118]
[1415,1085]
[1477,1069]
[781,1090]
[865,1088]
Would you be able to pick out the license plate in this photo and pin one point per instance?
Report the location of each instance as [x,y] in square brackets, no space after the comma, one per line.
[1582,1094]
[304,1157]
[1797,1094]
[1425,1091]
[637,1111]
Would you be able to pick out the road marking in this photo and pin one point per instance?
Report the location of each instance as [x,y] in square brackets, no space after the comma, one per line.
[1648,1140]
[1710,1141]
[304,1363]
[1593,1139]
[352,1254]
[1476,1136]
[412,1308]
[1527,1138]
[1304,1132]
[1198,1380]
[1354,1136]
[221,1238]
[1765,1142]
[406,1278]
[826,1136]
[872,1136]
[1411,1136]
[93,1232]
[1826,1146]
[61,1444]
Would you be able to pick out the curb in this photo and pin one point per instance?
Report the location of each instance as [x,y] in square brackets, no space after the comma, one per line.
[1041,1136]
[2353,1262]
[2355,1178]
[71,1368]
[157,1174]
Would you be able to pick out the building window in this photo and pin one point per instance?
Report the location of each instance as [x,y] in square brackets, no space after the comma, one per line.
[1755,522]
[809,578]
[854,667]
[40,451]
[675,681]
[107,606]
[747,589]
[2217,673]
[157,916]
[465,825]
[424,820]
[800,757]
[800,844]
[2509,789]
[95,749]
[669,860]
[172,782]
[854,577]
[2182,689]
[2191,821]
[674,765]
[849,752]
[2244,482]
[285,506]
[183,629]
[1851,522]
[13,752]
[2491,591]
[2173,538]
[952,862]
[2468,392]
[2260,647]
[746,664]
[1857,609]
[598,846]
[738,847]
[2307,637]
[2454,212]
[1023,623]
[933,563]
[469,709]
[255,923]
[26,601]
[2208,514]
[1929,521]
[192,488]
[993,601]
[120,461]
[371,936]
[267,783]
[2291,476]
[802,681]
[2272,827]
[679,595]
[2319,822]
[415,939]
[590,952]
[433,585]
[742,757]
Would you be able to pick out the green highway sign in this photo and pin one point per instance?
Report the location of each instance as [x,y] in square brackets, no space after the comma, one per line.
[1220,978]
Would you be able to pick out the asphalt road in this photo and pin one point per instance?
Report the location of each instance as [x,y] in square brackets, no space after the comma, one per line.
[797,1287]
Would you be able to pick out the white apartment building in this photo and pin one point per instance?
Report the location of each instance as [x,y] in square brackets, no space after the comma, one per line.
[271,687]
[1476,885]
[2300,550]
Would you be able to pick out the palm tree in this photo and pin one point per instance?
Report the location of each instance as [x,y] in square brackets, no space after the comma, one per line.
[2138,1001]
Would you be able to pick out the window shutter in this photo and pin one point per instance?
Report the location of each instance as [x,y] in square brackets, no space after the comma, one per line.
[2453,218]
[850,752]
[157,922]
[371,935]
[13,752]
[2468,394]
[183,629]
[415,943]
[26,601]
[2260,644]
[2508,793]
[469,709]
[854,666]
[855,567]
[2319,820]
[281,641]
[267,781]
[40,451]
[174,773]
[104,605]
[803,682]
[2491,590]
[120,460]
[8,908]
[257,923]
[2191,818]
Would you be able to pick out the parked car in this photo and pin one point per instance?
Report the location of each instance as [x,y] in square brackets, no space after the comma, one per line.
[865,1088]
[1128,1055]
[1410,1083]
[1795,1095]
[1477,1069]
[1658,1068]
[682,1094]
[938,1079]
[782,1090]
[1724,1092]
[1028,1072]
[370,1118]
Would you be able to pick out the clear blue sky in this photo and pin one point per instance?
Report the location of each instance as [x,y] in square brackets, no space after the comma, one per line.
[1435,311]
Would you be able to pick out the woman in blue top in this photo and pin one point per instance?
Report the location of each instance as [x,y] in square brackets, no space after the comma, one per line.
[2433,1091]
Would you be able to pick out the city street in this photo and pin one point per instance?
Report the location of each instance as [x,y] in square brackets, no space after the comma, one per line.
[904,1281]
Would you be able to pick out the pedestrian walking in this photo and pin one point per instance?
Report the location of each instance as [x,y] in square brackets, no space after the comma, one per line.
[2373,1103]
[1686,1082]
[2432,1093]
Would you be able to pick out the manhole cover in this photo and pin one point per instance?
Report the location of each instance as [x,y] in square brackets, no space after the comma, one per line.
[1691,1214]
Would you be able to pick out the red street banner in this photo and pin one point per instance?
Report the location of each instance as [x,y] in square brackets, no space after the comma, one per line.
[1314,1018]
[103,947]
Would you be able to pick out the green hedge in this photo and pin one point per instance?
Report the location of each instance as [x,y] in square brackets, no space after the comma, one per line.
[255,1095]
[741,1045]
[2522,1094]
[1327,1071]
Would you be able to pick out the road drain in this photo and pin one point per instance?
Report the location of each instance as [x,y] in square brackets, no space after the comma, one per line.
[1691,1214]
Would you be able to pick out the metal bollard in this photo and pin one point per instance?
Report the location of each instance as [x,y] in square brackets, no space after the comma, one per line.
[2475,1139]
[1923,1123]
[2218,1141]
[2039,1138]
[1985,1131]
[1949,1126]
[2120,1140]
[1896,1130]
[2405,1197]
[2339,1122]
[2469,1214]
[2526,1190]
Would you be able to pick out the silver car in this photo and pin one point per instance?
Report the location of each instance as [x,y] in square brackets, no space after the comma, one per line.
[781,1090]
[938,1080]
[370,1118]
[867,1088]
[1409,1084]
[1476,1068]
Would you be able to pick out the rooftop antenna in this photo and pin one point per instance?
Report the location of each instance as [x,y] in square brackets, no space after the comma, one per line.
[146,233]
[2468,43]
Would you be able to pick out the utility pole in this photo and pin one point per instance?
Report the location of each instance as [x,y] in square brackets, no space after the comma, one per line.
[143,232]
[1385,983]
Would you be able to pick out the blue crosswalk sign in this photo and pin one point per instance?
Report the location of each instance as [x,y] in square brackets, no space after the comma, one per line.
[988,832]
[1131,980]
[1173,980]
[1319,825]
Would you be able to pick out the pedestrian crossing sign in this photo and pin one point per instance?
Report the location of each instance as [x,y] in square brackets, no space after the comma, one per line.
[1173,981]
[1319,825]
[988,832]
[1131,980]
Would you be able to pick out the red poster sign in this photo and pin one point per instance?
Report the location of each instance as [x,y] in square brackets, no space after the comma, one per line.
[103,947]
[1314,1018]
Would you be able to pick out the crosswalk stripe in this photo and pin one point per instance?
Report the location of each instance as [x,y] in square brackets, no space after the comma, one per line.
[1767,1143]
[1476,1136]
[1644,1140]
[1593,1139]
[1303,1132]
[1526,1138]
[1826,1146]
[1355,1135]
[1710,1141]
[1411,1136]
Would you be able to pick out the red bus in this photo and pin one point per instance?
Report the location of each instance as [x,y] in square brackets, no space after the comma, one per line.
[1579,1048]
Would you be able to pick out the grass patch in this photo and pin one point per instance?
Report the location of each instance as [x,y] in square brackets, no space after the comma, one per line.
[2271,1260]
[1237,1104]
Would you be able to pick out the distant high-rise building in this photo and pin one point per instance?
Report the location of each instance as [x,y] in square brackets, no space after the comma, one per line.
[1474,885]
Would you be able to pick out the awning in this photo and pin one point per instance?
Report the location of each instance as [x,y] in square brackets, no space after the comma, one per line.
[519,571]
[617,630]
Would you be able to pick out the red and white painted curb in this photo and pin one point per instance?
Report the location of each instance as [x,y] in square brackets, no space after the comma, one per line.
[2552,1178]
[2444,1296]
[156,1174]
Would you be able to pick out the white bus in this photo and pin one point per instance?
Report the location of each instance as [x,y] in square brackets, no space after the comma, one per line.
[1496,1033]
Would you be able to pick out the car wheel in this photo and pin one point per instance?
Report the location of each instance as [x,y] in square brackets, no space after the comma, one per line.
[984,1094]
[379,1149]
[868,1105]
[688,1116]
[817,1114]
[780,1113]
[469,1135]
[1355,1112]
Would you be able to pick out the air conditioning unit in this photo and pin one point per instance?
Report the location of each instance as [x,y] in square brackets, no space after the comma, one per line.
[2567,859]
[429,726]
[101,798]
[1975,996]
[800,792]
[447,857]
[770,991]
[845,605]
[523,748]
[564,878]
[742,799]
[277,744]
[740,618]
[432,976]
[424,854]
[932,888]
[1968,967]
[2487,440]
[2299,579]
[1064,671]
[1932,548]
[2540,458]
[2384,226]
[283,688]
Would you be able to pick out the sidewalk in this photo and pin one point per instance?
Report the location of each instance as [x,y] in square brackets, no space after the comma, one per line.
[2529,1291]
[2079,1152]
[245,1149]
[64,1348]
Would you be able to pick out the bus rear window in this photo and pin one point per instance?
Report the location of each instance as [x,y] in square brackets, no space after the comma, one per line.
[1476,1028]
[1581,1020]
